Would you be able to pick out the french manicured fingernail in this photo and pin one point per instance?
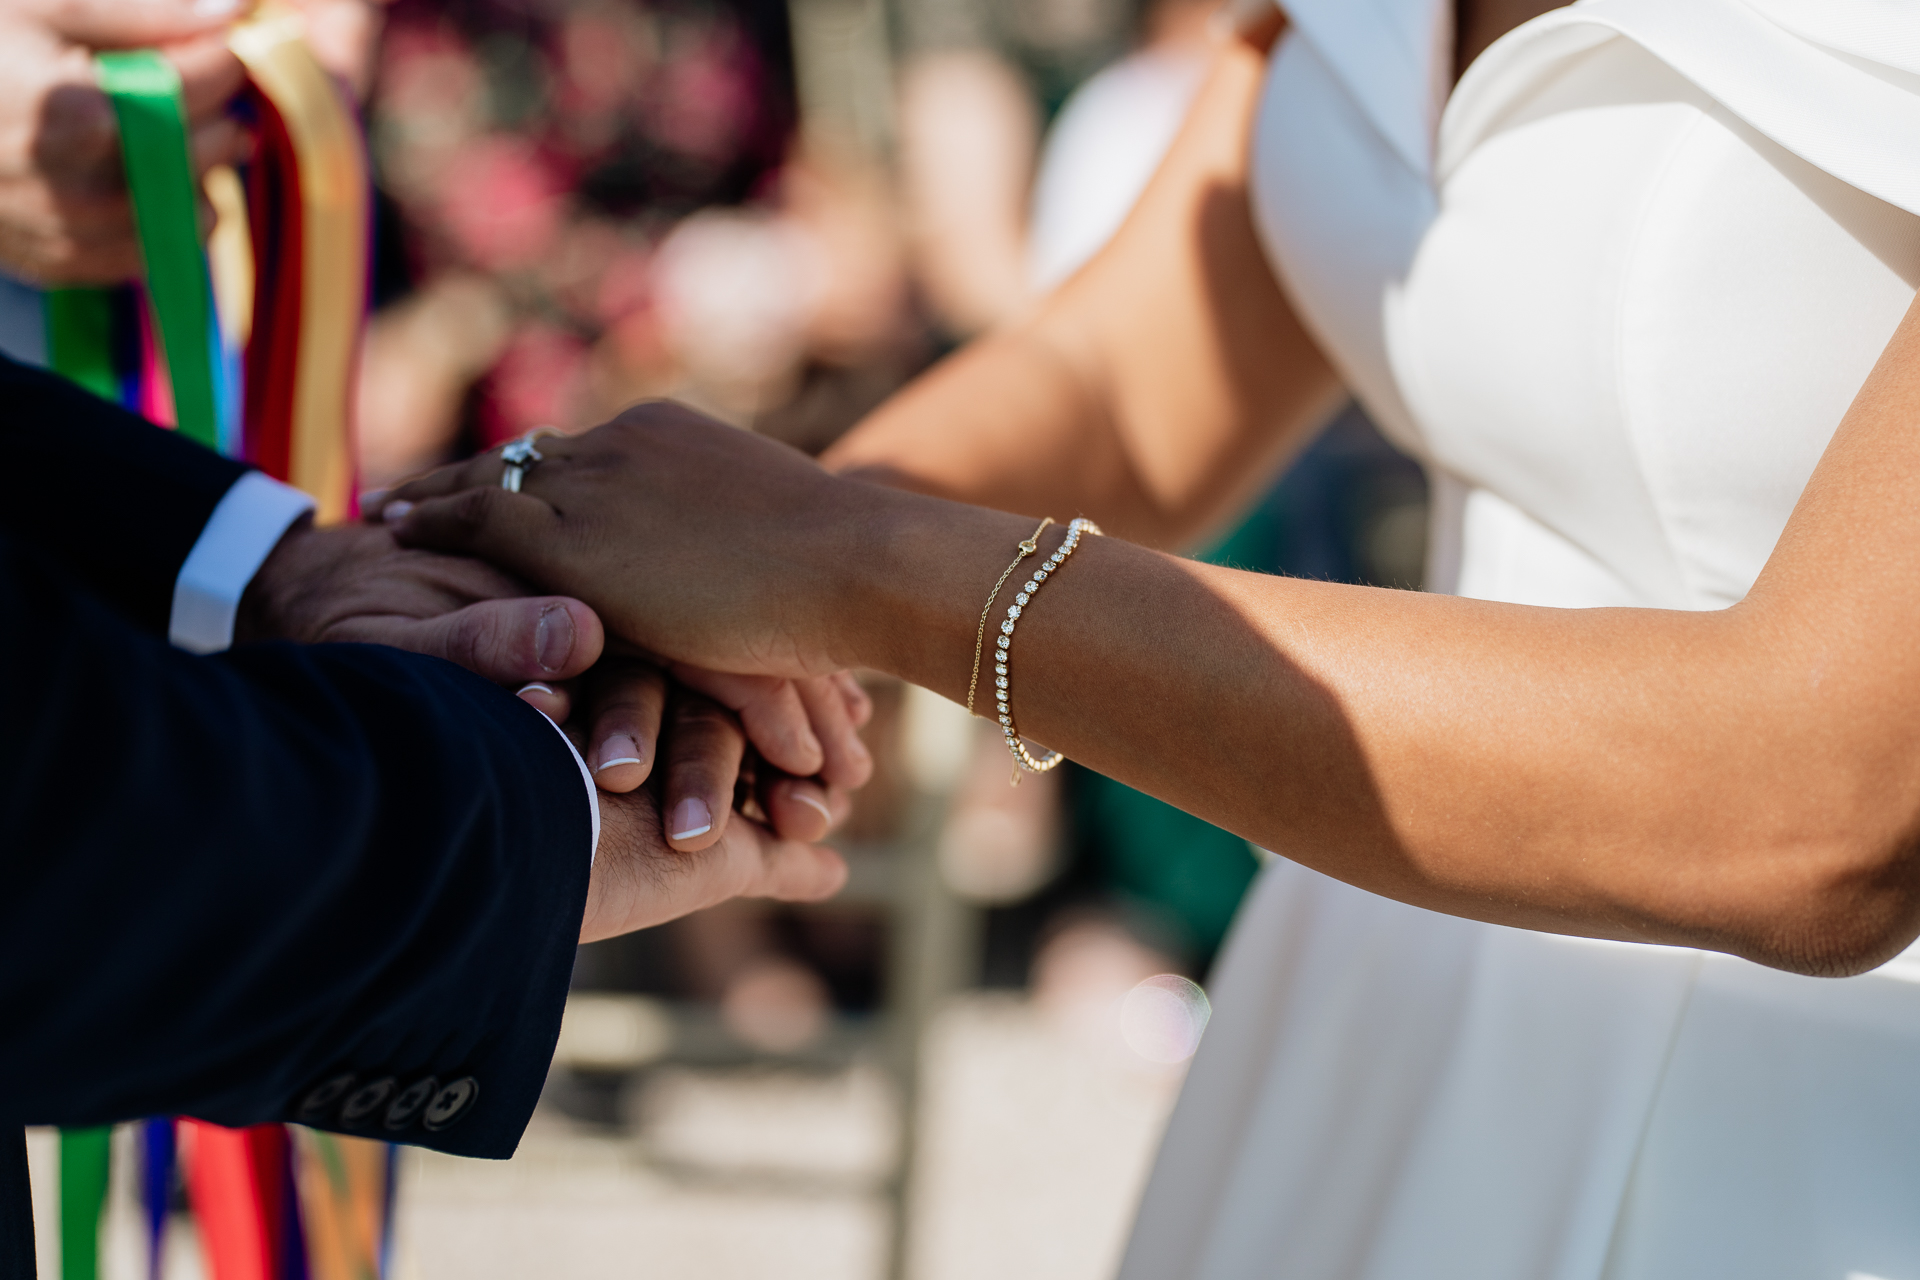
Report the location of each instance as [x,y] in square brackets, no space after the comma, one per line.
[553,641]
[690,818]
[812,802]
[535,687]
[395,512]
[618,749]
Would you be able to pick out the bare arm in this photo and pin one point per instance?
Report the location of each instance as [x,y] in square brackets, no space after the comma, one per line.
[1746,780]
[1157,389]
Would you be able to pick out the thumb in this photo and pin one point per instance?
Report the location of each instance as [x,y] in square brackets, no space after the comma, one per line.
[505,641]
[117,24]
[793,871]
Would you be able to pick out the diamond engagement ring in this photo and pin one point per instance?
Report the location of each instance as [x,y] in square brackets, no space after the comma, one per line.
[520,457]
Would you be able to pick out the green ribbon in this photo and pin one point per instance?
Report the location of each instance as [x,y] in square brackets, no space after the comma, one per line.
[80,338]
[145,90]
[84,1158]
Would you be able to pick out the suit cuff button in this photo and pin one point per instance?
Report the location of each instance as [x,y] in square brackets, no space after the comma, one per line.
[364,1101]
[320,1101]
[412,1100]
[451,1104]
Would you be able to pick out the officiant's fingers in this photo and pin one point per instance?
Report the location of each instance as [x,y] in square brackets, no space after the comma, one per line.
[770,710]
[220,141]
[705,745]
[627,699]
[802,808]
[114,24]
[210,74]
[847,761]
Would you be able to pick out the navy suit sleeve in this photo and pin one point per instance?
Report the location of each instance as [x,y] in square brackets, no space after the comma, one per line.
[112,499]
[333,884]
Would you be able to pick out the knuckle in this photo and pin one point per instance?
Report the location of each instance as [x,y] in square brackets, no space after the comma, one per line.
[695,709]
[710,727]
[79,137]
[473,509]
[468,643]
[627,705]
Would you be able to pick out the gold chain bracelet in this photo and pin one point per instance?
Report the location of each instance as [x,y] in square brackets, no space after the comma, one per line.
[1003,644]
[1027,548]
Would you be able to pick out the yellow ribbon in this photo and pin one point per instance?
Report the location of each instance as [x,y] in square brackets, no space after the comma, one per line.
[333,252]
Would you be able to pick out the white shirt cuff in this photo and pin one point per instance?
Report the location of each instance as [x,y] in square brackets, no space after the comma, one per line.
[593,792]
[247,524]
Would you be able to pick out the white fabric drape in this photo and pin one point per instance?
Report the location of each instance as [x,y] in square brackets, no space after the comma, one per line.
[1618,294]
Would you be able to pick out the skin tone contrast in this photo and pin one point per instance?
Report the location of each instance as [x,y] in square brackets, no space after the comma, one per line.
[352,584]
[1746,780]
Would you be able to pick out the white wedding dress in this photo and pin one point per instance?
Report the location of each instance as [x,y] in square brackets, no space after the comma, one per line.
[1618,294]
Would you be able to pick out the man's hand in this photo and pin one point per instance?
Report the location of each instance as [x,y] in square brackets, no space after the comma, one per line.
[352,583]
[639,880]
[64,213]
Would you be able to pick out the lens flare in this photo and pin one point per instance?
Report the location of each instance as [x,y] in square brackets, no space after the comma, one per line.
[1162,1018]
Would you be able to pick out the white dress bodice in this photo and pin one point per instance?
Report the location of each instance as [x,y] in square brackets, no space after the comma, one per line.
[1617,289]
[1617,319]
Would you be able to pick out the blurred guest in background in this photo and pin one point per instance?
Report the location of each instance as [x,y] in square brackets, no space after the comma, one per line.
[595,202]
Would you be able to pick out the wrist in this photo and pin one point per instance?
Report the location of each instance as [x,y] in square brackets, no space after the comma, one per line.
[920,588]
[263,608]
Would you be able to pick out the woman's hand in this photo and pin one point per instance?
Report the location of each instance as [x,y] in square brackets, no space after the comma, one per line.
[805,727]
[640,880]
[677,846]
[630,705]
[696,541]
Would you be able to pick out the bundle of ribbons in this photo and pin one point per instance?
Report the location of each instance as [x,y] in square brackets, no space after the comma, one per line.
[249,345]
[246,345]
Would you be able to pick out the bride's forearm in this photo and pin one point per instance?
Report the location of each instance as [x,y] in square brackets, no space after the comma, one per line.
[1635,774]
[1156,391]
[1747,779]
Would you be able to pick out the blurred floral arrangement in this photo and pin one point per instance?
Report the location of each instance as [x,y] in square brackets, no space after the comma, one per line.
[597,202]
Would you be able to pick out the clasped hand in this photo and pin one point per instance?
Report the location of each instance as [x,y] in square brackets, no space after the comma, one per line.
[666,848]
[693,540]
